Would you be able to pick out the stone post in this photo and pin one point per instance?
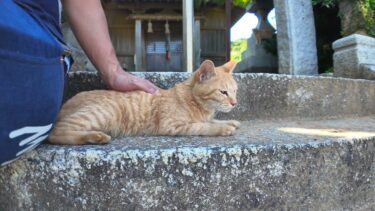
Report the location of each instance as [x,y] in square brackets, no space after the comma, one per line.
[138,45]
[296,41]
[188,25]
[354,57]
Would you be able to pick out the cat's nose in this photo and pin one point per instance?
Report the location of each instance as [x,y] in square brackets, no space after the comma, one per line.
[233,102]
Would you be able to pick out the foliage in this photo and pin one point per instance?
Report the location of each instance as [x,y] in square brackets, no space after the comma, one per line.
[200,3]
[237,47]
[365,8]
[368,10]
[326,33]
[238,3]
[326,3]
[241,3]
[270,45]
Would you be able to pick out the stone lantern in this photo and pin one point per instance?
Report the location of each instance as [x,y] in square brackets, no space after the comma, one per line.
[256,59]
[264,29]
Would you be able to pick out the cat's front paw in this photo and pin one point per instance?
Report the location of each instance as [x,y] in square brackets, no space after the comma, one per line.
[98,138]
[234,123]
[227,130]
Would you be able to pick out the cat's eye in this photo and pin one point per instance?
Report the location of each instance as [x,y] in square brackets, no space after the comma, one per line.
[224,92]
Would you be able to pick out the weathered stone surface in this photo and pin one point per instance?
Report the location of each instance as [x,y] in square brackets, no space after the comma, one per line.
[267,165]
[368,71]
[267,96]
[296,40]
[354,57]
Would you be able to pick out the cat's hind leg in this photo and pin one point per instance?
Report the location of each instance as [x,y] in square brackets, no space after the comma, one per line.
[78,137]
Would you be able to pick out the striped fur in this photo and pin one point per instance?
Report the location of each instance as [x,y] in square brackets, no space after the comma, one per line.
[186,109]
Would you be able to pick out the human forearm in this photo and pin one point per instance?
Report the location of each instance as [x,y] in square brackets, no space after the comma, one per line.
[89,25]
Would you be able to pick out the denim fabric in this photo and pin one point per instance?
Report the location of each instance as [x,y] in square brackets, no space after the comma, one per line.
[22,33]
[46,13]
[31,81]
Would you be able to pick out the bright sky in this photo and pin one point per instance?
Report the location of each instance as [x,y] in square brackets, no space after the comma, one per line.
[244,27]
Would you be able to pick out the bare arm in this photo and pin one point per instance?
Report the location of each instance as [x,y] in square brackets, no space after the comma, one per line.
[89,25]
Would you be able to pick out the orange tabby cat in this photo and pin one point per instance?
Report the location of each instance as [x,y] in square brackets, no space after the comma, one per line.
[186,109]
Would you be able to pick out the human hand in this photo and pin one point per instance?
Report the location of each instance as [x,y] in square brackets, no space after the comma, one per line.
[92,34]
[124,81]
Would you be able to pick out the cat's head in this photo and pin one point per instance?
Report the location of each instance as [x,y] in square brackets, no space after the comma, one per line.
[214,87]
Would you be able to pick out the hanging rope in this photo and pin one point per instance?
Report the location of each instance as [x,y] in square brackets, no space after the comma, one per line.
[167,41]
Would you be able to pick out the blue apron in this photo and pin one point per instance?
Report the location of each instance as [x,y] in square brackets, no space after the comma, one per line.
[31,74]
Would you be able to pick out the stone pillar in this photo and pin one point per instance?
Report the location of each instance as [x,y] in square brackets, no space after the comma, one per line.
[296,41]
[354,57]
[228,25]
[188,17]
[138,46]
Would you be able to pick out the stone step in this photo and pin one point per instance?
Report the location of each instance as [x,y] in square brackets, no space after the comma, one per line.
[304,143]
[272,96]
[297,165]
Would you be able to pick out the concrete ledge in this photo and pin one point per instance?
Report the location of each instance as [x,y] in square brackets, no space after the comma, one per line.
[271,96]
[297,165]
[291,163]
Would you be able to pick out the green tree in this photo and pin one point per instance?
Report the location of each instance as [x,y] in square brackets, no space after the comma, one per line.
[237,48]
[238,3]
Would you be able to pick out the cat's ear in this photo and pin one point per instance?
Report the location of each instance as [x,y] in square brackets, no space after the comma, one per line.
[229,66]
[205,71]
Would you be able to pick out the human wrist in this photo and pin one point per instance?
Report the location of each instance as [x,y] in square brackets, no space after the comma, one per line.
[111,68]
[110,74]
